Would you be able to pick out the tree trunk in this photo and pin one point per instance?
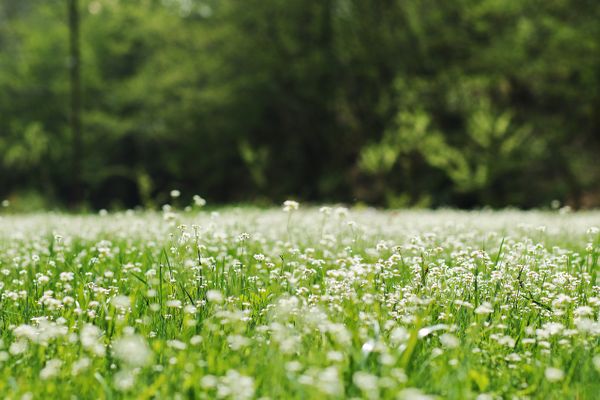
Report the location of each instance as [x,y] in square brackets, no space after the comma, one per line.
[75,103]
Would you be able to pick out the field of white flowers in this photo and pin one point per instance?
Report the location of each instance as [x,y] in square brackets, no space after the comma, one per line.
[294,303]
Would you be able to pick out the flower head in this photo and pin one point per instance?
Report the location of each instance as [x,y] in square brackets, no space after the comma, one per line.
[290,205]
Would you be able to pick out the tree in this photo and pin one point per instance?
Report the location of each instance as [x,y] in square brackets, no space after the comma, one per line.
[75,107]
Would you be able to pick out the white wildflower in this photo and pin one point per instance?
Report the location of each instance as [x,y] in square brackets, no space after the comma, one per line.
[365,381]
[124,380]
[449,340]
[235,386]
[51,369]
[80,365]
[132,350]
[214,296]
[414,394]
[484,309]
[199,201]
[176,344]
[121,302]
[290,205]
[554,374]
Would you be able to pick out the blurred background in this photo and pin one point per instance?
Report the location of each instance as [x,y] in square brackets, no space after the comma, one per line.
[396,103]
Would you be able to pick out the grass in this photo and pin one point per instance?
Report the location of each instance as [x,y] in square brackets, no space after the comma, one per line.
[301,304]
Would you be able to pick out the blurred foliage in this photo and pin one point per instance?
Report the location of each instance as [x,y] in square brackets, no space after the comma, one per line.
[400,103]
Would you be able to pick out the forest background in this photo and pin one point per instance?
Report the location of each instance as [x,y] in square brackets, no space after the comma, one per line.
[462,103]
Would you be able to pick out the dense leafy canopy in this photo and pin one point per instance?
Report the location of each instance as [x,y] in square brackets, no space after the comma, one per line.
[412,102]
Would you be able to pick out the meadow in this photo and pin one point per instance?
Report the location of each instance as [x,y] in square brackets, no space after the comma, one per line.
[300,302]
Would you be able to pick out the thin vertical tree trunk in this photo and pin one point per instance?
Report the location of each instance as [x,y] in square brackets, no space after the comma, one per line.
[75,106]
